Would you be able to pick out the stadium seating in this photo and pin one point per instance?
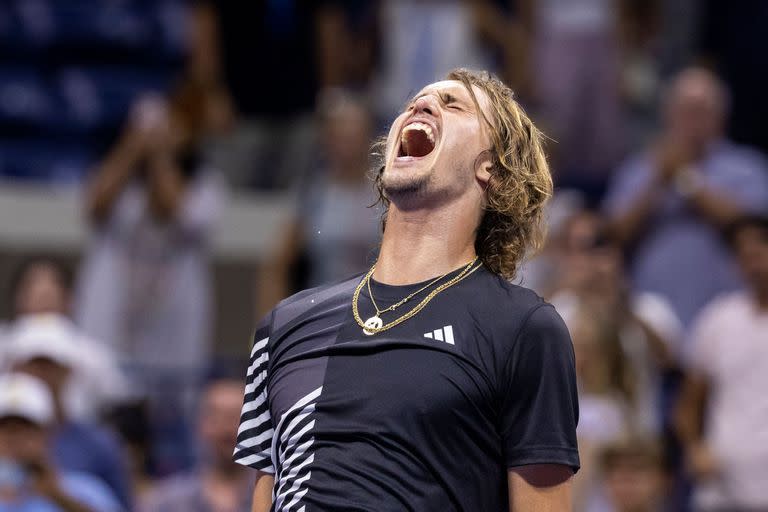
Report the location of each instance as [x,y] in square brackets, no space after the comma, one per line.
[69,72]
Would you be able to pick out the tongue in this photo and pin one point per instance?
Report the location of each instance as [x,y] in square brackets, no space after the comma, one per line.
[416,143]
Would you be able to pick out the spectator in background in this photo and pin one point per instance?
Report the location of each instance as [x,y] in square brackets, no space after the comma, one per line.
[668,203]
[576,46]
[723,409]
[633,476]
[334,228]
[606,393]
[218,484]
[29,480]
[505,26]
[422,40]
[144,285]
[649,332]
[47,350]
[41,288]
[40,285]
[349,35]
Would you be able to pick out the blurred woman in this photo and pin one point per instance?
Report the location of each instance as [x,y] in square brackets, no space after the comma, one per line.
[333,232]
[144,285]
[607,392]
[649,332]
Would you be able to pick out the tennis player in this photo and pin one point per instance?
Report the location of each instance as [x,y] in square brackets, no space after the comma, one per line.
[429,384]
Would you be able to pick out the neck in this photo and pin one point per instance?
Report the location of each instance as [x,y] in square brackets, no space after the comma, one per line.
[421,244]
[59,411]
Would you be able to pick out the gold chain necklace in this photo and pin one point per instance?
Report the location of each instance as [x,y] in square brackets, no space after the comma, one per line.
[375,325]
[403,301]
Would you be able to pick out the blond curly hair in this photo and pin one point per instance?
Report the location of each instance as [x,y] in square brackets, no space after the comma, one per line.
[520,184]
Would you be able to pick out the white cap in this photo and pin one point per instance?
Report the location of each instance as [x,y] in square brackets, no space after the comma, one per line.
[53,337]
[26,397]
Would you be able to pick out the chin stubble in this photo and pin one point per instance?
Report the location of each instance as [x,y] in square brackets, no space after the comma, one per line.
[406,190]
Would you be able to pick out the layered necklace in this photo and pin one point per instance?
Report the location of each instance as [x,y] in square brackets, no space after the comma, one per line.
[375,324]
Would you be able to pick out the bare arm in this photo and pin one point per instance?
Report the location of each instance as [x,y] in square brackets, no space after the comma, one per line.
[512,35]
[689,420]
[166,187]
[668,157]
[112,175]
[540,488]
[275,273]
[332,43]
[626,227]
[203,62]
[716,208]
[262,493]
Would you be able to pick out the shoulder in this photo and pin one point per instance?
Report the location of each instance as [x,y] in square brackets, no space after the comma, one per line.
[90,490]
[723,308]
[325,297]
[500,296]
[517,314]
[711,329]
[749,159]
[723,312]
[91,437]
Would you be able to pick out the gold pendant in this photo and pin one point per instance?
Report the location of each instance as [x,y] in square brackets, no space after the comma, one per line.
[372,323]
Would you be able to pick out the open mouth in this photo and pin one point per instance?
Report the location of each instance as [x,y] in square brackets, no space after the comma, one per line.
[417,140]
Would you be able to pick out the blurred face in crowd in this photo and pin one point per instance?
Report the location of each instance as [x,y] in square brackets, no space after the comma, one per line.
[54,375]
[751,245]
[22,441]
[591,263]
[219,419]
[634,484]
[346,137]
[695,109]
[41,290]
[437,147]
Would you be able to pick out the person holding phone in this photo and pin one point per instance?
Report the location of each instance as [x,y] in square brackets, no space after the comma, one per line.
[29,482]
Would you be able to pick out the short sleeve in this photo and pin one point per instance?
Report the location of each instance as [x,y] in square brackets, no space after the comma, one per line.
[702,349]
[254,436]
[658,313]
[539,402]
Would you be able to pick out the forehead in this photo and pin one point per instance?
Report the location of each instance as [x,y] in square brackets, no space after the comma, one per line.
[457,89]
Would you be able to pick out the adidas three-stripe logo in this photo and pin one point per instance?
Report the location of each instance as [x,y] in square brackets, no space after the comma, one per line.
[443,334]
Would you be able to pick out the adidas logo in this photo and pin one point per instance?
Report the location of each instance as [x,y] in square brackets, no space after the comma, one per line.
[444,334]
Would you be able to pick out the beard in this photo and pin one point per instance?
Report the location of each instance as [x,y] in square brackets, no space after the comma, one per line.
[404,190]
[410,191]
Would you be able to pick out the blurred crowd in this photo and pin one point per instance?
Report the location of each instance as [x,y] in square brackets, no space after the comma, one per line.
[112,394]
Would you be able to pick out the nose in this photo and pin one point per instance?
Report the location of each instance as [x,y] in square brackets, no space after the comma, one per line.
[425,104]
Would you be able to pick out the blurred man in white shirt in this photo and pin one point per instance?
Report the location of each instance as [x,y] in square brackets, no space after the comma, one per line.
[728,376]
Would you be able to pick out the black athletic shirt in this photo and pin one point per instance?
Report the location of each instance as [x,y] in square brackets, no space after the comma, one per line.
[427,416]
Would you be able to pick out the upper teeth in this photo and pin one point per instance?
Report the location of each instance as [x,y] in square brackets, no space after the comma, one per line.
[420,126]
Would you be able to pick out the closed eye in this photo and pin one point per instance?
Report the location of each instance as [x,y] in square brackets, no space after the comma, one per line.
[450,102]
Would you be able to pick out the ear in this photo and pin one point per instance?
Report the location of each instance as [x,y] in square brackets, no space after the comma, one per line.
[483,168]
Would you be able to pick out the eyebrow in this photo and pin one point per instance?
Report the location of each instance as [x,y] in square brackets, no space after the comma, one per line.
[445,97]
